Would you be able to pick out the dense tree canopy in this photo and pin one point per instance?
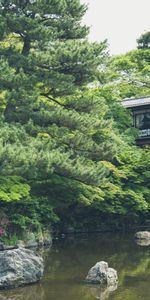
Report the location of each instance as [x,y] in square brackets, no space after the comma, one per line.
[66,144]
[44,57]
[44,47]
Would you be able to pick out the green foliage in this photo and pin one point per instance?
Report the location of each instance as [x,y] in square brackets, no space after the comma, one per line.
[55,58]
[128,75]
[10,240]
[12,188]
[44,48]
[67,150]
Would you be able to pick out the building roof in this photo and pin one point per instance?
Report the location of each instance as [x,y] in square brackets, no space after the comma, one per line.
[131,103]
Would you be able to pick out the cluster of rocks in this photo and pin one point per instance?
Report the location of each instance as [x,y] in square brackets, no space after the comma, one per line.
[30,241]
[107,277]
[21,266]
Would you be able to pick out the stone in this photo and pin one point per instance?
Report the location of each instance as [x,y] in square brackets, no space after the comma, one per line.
[31,244]
[40,243]
[20,244]
[101,274]
[40,240]
[142,235]
[30,241]
[9,247]
[47,242]
[47,238]
[19,267]
[142,242]
[2,247]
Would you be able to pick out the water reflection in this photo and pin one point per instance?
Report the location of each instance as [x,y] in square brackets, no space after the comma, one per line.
[33,292]
[69,260]
[102,293]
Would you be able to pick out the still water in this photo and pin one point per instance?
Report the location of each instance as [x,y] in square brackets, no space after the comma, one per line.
[70,258]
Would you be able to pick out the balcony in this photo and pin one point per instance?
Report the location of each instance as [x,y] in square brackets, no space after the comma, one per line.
[140,108]
[144,133]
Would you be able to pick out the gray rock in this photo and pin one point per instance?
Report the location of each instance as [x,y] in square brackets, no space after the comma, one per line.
[30,241]
[19,267]
[20,244]
[101,274]
[47,239]
[142,235]
[31,244]
[2,247]
[142,242]
[47,242]
[9,247]
[40,239]
[40,243]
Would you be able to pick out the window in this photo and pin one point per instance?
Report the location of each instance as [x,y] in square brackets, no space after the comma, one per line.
[142,121]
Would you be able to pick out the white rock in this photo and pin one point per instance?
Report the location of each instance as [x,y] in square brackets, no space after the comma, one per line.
[102,274]
[143,235]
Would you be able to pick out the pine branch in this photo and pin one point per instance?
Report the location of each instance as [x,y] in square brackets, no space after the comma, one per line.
[77,149]
[75,179]
[54,100]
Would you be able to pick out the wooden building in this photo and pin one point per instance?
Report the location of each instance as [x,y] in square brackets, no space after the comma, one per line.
[140,108]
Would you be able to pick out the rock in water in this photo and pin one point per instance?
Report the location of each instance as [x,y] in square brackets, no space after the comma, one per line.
[142,235]
[143,242]
[101,274]
[19,267]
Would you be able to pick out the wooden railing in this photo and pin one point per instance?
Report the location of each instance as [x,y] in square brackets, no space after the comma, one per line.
[144,133]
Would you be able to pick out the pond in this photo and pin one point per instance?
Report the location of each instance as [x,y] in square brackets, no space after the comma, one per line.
[70,258]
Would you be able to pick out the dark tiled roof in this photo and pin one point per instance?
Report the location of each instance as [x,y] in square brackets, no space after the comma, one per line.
[129,103]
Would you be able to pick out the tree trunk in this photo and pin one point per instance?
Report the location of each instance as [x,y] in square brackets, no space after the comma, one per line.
[26,46]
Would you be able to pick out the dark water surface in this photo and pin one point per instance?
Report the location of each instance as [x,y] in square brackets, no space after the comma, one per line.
[67,264]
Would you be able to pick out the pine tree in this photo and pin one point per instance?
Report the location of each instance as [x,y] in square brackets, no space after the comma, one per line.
[46,61]
[44,53]
[58,135]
